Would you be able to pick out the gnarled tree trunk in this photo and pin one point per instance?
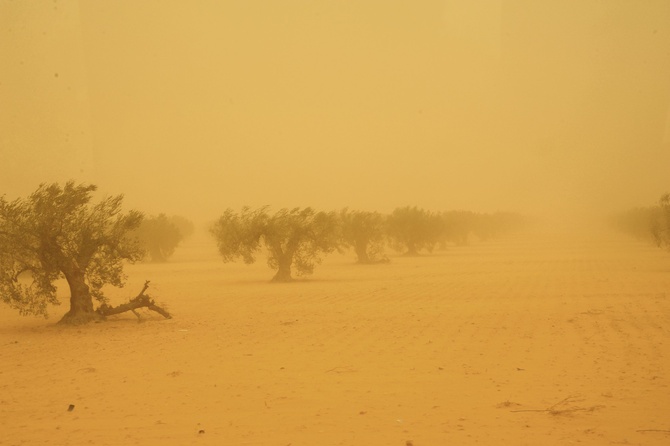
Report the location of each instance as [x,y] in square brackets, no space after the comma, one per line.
[284,271]
[81,302]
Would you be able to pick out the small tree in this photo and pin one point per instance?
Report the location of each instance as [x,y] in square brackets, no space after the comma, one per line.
[411,229]
[159,236]
[296,237]
[364,232]
[56,232]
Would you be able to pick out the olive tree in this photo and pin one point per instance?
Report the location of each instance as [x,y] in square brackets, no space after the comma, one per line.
[295,238]
[159,236]
[457,226]
[185,226]
[412,229]
[364,232]
[58,233]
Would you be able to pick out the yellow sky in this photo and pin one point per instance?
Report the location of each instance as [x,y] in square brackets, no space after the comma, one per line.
[192,107]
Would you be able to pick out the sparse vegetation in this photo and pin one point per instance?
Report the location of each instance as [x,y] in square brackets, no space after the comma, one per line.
[293,238]
[58,233]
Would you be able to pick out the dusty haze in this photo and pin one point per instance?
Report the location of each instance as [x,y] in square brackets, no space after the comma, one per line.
[191,107]
[555,108]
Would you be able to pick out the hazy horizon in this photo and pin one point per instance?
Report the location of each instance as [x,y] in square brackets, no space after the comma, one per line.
[192,107]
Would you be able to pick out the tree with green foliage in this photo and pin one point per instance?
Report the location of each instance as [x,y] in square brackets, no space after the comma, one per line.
[159,236]
[364,232]
[412,229]
[58,233]
[293,238]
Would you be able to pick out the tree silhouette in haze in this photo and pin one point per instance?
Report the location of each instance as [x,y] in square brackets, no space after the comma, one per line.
[412,229]
[185,226]
[364,232]
[159,236]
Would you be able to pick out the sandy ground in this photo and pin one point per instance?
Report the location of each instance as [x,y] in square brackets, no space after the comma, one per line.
[551,340]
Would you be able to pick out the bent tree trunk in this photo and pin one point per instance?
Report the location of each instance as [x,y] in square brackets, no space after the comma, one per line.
[81,302]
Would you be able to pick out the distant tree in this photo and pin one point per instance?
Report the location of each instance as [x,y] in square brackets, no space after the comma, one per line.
[661,223]
[411,229]
[57,233]
[159,236]
[185,226]
[457,226]
[293,238]
[643,223]
[364,232]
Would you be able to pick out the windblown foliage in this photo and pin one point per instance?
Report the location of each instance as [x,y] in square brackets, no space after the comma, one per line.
[296,237]
[56,232]
[364,232]
[411,229]
[159,236]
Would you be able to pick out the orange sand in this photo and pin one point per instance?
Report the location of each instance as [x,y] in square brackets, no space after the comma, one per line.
[528,341]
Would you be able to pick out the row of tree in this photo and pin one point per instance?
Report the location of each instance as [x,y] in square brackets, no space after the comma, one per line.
[297,239]
[650,223]
[57,233]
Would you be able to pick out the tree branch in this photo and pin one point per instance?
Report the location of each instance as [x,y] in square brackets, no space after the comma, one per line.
[140,301]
